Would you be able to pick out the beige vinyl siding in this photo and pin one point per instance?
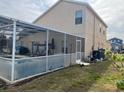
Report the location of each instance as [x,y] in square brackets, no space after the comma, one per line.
[93,34]
[38,37]
[62,18]
[89,32]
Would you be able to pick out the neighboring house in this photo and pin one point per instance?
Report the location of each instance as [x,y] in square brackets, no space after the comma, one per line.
[123,46]
[122,50]
[116,44]
[78,19]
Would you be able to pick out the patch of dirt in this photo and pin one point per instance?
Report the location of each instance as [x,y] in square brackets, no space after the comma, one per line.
[109,87]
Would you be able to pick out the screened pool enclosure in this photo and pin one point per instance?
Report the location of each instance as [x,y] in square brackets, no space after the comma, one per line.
[28,50]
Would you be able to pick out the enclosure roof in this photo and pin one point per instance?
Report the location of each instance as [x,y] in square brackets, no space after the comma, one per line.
[27,28]
[8,20]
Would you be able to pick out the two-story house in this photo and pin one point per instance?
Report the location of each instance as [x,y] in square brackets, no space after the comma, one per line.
[76,18]
[116,44]
[63,36]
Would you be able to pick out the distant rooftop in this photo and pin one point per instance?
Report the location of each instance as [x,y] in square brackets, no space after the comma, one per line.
[115,38]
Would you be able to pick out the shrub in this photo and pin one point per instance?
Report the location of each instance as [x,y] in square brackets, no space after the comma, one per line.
[117,57]
[120,84]
[113,57]
[108,54]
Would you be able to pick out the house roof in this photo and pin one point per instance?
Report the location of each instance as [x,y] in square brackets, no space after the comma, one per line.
[115,38]
[74,2]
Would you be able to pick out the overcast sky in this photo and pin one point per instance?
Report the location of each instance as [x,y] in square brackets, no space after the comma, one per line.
[111,11]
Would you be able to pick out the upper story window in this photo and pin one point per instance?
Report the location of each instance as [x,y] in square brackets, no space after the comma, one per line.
[78,17]
[113,41]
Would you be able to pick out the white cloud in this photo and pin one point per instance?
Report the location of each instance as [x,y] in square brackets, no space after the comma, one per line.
[111,12]
[26,10]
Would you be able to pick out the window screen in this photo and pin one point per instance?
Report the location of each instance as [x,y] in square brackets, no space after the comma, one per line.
[78,17]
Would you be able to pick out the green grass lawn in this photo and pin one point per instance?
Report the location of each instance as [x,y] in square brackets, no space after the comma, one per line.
[96,77]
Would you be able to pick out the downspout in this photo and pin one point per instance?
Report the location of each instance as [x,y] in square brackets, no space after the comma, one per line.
[85,24]
[94,33]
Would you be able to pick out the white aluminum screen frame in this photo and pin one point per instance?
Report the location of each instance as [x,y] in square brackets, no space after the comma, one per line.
[78,41]
[47,56]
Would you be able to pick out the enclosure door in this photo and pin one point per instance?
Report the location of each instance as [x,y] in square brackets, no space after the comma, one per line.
[78,50]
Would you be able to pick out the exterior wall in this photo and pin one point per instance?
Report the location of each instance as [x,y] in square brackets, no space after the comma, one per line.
[27,40]
[62,18]
[123,46]
[58,40]
[100,38]
[95,39]
[89,33]
[41,39]
[116,47]
[108,45]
